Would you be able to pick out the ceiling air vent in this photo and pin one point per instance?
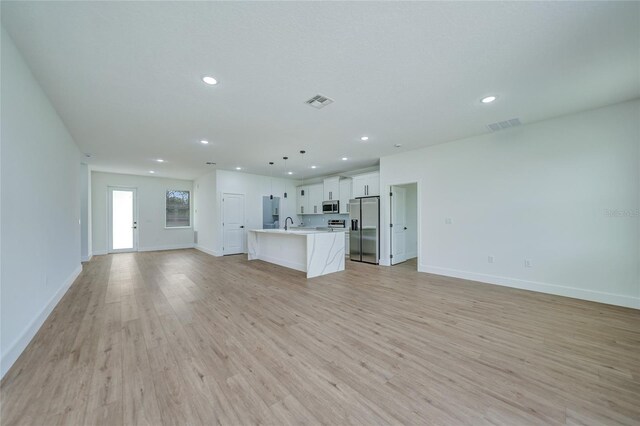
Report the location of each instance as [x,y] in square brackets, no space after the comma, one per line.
[319,101]
[494,127]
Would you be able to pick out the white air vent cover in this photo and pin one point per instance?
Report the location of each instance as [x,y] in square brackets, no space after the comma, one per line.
[494,127]
[319,101]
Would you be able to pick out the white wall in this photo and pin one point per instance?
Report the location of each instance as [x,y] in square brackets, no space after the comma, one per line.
[151,193]
[40,247]
[85,213]
[253,187]
[541,192]
[205,213]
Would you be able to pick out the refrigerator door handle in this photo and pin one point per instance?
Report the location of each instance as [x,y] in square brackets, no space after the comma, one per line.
[354,224]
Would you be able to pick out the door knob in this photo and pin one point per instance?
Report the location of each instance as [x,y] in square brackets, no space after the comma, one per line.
[241,226]
[405,228]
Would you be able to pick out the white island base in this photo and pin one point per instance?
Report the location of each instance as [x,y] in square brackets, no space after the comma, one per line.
[314,252]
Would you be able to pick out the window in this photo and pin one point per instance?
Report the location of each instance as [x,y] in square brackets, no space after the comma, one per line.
[178,204]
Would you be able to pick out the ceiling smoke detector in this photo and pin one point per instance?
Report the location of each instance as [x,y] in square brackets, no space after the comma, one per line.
[319,101]
[501,125]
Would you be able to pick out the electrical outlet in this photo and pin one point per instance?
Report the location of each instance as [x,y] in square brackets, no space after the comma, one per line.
[490,259]
[527,263]
[448,221]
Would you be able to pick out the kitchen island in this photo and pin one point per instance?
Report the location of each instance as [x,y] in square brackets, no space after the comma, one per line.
[311,251]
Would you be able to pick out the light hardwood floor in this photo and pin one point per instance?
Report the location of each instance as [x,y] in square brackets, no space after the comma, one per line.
[180,337]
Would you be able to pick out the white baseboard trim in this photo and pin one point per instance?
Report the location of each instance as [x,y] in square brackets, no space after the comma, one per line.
[208,251]
[20,344]
[167,247]
[559,290]
[153,248]
[86,258]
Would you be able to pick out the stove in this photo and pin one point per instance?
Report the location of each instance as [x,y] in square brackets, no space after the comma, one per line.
[336,223]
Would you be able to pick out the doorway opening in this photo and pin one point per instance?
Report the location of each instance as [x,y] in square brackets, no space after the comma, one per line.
[404,225]
[233,235]
[123,220]
[270,212]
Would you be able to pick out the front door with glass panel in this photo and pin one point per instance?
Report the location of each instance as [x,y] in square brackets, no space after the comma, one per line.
[123,220]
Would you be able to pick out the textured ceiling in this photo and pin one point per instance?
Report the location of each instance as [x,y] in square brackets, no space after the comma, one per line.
[125,76]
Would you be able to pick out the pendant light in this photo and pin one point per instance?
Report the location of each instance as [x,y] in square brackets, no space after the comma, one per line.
[271,175]
[285,170]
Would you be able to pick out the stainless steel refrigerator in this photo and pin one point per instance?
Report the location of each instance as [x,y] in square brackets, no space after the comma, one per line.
[364,237]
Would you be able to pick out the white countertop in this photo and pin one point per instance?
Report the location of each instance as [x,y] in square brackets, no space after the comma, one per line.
[296,231]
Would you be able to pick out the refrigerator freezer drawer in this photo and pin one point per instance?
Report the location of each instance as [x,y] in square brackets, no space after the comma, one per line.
[370,245]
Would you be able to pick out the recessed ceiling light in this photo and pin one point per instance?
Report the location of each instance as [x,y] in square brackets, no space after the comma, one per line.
[160,160]
[204,142]
[151,171]
[314,167]
[289,173]
[210,163]
[488,99]
[238,168]
[364,138]
[398,145]
[344,158]
[209,80]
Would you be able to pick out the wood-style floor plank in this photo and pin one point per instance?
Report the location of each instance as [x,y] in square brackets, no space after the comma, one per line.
[181,337]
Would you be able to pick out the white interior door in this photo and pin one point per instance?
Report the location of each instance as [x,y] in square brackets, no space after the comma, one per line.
[399,221]
[233,223]
[123,220]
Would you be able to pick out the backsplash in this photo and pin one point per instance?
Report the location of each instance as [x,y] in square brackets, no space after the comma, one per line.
[319,220]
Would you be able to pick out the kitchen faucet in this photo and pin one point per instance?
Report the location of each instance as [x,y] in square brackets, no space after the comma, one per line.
[285,222]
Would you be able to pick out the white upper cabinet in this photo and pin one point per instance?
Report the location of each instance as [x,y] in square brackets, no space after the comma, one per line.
[332,188]
[345,195]
[315,198]
[367,185]
[309,199]
[302,200]
[359,186]
[373,186]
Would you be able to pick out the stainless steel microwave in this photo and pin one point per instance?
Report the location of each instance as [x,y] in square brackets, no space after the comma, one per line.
[330,207]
